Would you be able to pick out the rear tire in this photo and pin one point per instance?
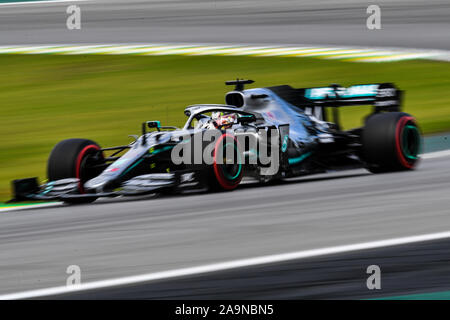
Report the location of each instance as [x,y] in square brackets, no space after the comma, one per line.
[73,158]
[391,142]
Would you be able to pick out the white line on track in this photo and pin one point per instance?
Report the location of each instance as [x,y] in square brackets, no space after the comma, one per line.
[38,2]
[222,266]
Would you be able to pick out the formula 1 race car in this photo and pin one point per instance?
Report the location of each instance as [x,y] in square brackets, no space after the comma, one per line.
[291,125]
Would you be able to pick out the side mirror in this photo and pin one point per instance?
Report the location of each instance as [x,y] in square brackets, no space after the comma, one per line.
[150,124]
[154,124]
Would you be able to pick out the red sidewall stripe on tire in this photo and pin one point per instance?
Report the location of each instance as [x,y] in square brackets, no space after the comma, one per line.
[79,160]
[398,141]
[224,183]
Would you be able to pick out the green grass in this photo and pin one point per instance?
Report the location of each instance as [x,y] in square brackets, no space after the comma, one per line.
[45,99]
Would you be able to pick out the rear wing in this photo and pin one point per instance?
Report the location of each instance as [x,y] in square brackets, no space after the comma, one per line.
[382,96]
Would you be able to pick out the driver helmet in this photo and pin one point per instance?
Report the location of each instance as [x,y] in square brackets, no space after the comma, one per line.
[223,121]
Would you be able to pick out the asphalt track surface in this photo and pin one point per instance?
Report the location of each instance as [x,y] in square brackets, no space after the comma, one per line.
[404,270]
[405,23]
[123,238]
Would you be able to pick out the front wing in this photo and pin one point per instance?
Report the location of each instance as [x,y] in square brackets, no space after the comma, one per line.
[29,189]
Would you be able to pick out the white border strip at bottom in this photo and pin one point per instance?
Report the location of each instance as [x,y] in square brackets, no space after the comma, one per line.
[222,266]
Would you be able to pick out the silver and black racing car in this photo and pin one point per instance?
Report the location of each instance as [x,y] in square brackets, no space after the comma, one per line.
[264,134]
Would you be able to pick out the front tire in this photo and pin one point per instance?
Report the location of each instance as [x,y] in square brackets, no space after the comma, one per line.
[391,142]
[75,158]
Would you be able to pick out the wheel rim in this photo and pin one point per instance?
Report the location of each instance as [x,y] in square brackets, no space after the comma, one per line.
[232,171]
[228,175]
[411,142]
[407,142]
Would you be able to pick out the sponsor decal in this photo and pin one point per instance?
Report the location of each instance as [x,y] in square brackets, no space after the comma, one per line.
[201,148]
[364,90]
[285,143]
